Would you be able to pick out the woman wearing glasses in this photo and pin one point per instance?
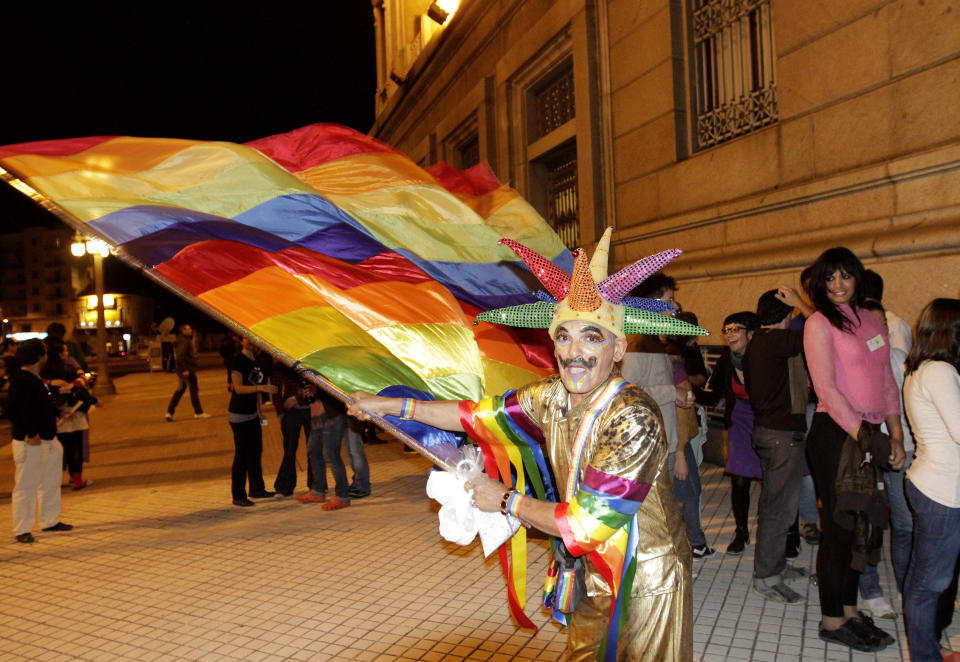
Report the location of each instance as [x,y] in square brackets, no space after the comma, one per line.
[726,382]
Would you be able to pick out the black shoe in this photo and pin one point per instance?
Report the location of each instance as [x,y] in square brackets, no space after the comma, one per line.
[243,503]
[25,537]
[358,494]
[59,526]
[867,626]
[702,552]
[740,538]
[262,494]
[850,636]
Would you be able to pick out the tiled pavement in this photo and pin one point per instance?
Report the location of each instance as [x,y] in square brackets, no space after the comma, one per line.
[162,567]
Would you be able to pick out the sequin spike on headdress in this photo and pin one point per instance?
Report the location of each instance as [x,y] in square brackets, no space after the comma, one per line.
[583,288]
[555,279]
[653,305]
[618,286]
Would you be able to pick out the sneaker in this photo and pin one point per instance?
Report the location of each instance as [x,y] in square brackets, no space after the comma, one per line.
[203,415]
[811,534]
[878,607]
[358,494]
[310,497]
[867,626]
[793,572]
[702,552]
[851,637]
[735,548]
[779,593]
[169,417]
[262,494]
[82,484]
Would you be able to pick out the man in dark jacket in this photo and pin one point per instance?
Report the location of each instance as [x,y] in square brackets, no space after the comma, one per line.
[776,382]
[186,356]
[37,454]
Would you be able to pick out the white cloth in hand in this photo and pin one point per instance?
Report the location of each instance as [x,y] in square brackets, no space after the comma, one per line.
[461,521]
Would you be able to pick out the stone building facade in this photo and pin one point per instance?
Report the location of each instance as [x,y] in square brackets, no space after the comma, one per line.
[753,134]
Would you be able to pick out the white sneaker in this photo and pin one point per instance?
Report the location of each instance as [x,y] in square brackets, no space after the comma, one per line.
[878,607]
[203,415]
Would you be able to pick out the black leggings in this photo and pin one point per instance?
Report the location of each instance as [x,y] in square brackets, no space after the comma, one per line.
[838,582]
[740,499]
[72,443]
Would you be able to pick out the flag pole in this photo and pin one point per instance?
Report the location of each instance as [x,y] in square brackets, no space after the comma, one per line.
[315,377]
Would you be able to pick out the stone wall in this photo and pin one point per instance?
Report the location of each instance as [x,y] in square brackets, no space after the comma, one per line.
[866,152]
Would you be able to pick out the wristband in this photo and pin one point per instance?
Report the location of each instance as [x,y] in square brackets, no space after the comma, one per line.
[505,499]
[513,504]
[408,407]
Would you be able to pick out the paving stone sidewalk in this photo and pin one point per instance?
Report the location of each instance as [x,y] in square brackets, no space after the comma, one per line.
[161,566]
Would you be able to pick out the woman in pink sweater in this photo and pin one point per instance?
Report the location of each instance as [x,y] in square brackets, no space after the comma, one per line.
[848,355]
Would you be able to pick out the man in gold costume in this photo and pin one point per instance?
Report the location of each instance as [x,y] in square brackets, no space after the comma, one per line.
[621,574]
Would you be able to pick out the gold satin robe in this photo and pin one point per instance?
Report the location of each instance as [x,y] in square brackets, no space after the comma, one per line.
[628,437]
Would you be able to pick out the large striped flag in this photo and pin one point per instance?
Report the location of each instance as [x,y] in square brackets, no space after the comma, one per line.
[331,248]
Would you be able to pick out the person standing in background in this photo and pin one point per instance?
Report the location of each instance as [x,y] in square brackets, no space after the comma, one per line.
[247,382]
[186,357]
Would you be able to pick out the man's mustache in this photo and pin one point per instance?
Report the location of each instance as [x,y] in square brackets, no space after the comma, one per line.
[586,363]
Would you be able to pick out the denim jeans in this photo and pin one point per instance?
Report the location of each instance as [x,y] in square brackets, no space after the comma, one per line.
[190,381]
[781,456]
[357,456]
[316,464]
[901,535]
[808,501]
[936,545]
[336,428]
[687,493]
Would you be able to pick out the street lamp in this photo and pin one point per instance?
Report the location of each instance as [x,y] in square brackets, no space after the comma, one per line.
[98,250]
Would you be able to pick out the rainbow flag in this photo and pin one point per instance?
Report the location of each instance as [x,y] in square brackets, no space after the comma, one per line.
[332,248]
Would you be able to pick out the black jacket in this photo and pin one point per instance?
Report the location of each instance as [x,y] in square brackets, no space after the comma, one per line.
[861,506]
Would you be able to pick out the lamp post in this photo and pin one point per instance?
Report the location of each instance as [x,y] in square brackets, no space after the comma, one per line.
[99,250]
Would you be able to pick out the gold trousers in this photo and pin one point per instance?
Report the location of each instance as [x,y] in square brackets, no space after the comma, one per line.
[659,628]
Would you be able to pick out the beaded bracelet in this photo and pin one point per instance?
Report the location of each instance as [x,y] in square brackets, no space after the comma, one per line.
[513,504]
[505,499]
[408,408]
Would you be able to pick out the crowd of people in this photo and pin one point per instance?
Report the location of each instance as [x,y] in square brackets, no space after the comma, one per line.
[826,397]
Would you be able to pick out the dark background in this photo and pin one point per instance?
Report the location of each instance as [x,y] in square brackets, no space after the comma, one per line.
[205,71]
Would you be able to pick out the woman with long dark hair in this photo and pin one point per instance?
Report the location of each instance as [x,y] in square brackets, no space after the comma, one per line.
[931,394]
[726,382]
[848,355]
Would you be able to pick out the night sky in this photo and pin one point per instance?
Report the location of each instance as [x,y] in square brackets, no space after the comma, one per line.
[205,70]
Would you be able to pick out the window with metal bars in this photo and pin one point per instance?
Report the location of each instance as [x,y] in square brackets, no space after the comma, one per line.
[562,196]
[733,68]
[554,103]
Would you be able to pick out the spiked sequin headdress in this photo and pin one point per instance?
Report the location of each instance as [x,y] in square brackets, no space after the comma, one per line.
[590,295]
